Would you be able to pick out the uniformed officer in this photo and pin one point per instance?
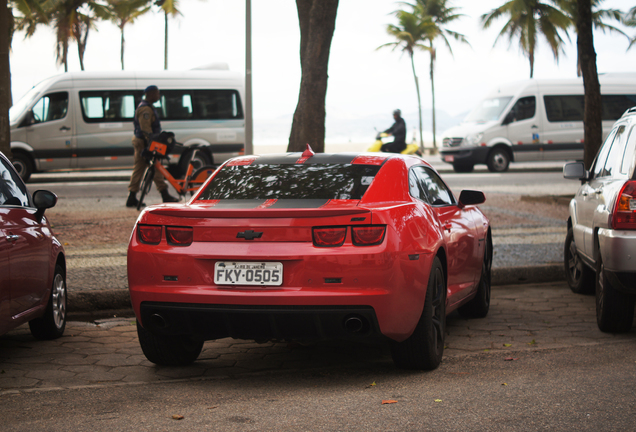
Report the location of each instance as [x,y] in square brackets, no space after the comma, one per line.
[146,122]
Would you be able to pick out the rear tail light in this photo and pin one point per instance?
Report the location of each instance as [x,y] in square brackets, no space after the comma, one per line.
[368,235]
[330,236]
[624,216]
[150,234]
[179,236]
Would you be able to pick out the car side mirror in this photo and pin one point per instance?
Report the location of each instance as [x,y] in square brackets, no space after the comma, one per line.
[43,199]
[471,197]
[575,171]
[509,118]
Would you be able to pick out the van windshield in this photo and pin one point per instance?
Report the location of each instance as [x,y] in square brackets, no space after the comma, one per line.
[16,111]
[488,110]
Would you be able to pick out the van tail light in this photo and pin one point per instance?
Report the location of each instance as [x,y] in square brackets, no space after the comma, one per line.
[624,216]
[368,235]
[179,236]
[329,236]
[149,234]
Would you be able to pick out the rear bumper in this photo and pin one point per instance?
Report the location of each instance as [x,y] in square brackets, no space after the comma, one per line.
[207,322]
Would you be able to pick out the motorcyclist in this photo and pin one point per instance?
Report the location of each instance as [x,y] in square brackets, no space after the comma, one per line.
[398,131]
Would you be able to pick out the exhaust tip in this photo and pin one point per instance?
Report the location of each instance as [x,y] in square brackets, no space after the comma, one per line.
[159,321]
[354,324]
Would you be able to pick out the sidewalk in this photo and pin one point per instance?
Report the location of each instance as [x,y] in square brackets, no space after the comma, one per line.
[523,319]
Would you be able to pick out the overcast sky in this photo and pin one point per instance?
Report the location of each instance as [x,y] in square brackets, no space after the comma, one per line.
[362,81]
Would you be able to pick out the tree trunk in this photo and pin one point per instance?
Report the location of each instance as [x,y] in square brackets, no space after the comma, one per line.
[433,95]
[592,119]
[122,47]
[5,79]
[419,102]
[165,43]
[317,20]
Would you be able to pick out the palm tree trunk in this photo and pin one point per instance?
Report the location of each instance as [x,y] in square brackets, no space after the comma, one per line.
[419,101]
[122,47]
[5,80]
[433,94]
[165,50]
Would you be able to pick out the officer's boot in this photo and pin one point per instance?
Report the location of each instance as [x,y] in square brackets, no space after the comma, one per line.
[167,198]
[132,200]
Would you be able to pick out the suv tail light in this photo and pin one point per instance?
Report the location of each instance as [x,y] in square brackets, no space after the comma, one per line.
[624,216]
[179,236]
[368,235]
[150,234]
[329,236]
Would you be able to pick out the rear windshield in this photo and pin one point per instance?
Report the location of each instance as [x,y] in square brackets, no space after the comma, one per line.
[300,181]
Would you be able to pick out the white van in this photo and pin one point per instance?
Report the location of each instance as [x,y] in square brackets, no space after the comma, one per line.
[532,120]
[85,119]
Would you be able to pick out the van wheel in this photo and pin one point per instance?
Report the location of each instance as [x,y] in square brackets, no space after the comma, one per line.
[463,167]
[498,160]
[200,160]
[23,165]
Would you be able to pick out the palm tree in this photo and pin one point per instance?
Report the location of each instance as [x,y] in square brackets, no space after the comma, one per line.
[168,7]
[630,20]
[72,20]
[440,13]
[126,12]
[569,7]
[527,19]
[410,32]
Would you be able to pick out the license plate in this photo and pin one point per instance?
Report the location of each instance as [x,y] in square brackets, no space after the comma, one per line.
[450,158]
[248,273]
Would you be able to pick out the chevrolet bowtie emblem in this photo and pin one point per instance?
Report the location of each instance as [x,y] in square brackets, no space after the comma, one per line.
[249,235]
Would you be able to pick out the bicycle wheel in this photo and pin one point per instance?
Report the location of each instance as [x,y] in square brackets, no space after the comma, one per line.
[199,177]
[149,174]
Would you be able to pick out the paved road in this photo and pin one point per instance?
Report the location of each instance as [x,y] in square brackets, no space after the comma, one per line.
[537,361]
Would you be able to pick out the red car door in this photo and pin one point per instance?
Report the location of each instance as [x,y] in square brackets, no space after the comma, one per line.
[27,241]
[460,235]
[5,298]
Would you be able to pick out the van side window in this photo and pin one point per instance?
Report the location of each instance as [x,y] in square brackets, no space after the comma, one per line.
[569,108]
[523,109]
[53,106]
[200,105]
[109,106]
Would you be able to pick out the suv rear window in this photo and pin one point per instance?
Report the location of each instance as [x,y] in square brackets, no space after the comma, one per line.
[300,181]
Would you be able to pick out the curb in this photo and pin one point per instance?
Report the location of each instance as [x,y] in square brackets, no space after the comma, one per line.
[100,302]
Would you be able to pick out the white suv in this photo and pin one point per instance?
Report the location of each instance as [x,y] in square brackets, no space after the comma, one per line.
[600,246]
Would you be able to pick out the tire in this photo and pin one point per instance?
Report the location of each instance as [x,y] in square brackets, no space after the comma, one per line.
[498,160]
[479,306]
[149,175]
[579,276]
[51,325]
[202,159]
[168,351]
[463,167]
[424,349]
[614,309]
[23,165]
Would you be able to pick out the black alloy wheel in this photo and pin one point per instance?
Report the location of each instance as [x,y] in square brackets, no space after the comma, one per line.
[614,309]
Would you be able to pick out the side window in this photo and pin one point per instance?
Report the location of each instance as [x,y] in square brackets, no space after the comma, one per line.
[12,189]
[109,106]
[601,158]
[615,155]
[564,108]
[523,109]
[415,188]
[630,152]
[436,190]
[614,106]
[51,107]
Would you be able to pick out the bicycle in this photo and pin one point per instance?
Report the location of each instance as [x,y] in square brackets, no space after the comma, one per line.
[159,151]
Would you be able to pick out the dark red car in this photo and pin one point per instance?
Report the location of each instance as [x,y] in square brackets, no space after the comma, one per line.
[32,262]
[311,246]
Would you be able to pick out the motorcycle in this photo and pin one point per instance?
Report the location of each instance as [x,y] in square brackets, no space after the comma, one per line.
[380,139]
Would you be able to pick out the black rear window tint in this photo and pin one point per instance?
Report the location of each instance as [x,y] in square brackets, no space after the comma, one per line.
[301,181]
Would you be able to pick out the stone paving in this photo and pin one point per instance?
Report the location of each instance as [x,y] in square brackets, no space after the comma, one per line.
[106,353]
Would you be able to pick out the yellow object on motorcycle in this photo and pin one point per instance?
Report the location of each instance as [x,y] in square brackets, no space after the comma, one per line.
[377,146]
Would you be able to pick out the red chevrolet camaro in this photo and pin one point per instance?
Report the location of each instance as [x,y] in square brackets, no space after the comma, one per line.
[305,246]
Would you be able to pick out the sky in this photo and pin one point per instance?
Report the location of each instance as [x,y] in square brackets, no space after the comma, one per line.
[365,84]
